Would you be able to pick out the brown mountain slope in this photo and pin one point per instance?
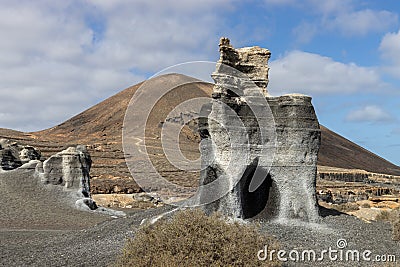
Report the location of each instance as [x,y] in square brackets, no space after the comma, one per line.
[100,127]
[337,151]
[104,120]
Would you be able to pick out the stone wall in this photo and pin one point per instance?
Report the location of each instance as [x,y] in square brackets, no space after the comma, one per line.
[345,177]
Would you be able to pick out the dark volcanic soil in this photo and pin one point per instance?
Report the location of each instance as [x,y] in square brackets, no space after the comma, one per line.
[40,227]
[97,245]
[329,232]
[28,204]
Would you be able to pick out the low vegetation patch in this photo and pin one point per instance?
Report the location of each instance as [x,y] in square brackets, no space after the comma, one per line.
[393,217]
[385,215]
[396,230]
[190,238]
[365,205]
[346,207]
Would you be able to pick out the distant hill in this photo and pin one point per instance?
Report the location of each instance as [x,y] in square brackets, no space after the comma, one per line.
[337,151]
[100,127]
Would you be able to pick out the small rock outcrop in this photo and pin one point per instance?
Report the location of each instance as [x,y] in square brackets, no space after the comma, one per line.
[13,155]
[69,168]
[260,150]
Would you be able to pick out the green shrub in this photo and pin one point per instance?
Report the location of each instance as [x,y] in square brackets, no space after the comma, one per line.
[190,238]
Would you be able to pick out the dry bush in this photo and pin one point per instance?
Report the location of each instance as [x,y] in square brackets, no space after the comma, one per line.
[396,230]
[394,218]
[366,205]
[389,215]
[396,224]
[190,238]
[385,216]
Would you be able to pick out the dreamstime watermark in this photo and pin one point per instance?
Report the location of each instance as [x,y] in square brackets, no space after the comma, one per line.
[339,253]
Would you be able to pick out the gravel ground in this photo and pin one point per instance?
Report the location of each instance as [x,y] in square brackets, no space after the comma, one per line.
[40,227]
[98,245]
[339,232]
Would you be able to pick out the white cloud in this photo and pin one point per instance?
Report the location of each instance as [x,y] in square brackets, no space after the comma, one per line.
[390,51]
[337,17]
[369,113]
[390,46]
[59,57]
[312,74]
[151,35]
[305,32]
[315,6]
[329,7]
[280,2]
[363,22]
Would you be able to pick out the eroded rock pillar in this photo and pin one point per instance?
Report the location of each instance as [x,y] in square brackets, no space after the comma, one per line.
[262,149]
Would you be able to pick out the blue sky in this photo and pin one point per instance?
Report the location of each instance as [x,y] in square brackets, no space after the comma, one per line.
[58,58]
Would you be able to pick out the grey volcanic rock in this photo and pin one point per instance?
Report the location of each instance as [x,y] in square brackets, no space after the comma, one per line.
[13,156]
[252,61]
[29,153]
[259,152]
[69,168]
[294,169]
[86,204]
[22,176]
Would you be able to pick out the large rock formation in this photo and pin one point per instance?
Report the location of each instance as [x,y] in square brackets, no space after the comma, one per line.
[259,152]
[13,155]
[69,168]
[294,169]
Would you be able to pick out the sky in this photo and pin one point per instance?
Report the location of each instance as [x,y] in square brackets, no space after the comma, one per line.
[58,58]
